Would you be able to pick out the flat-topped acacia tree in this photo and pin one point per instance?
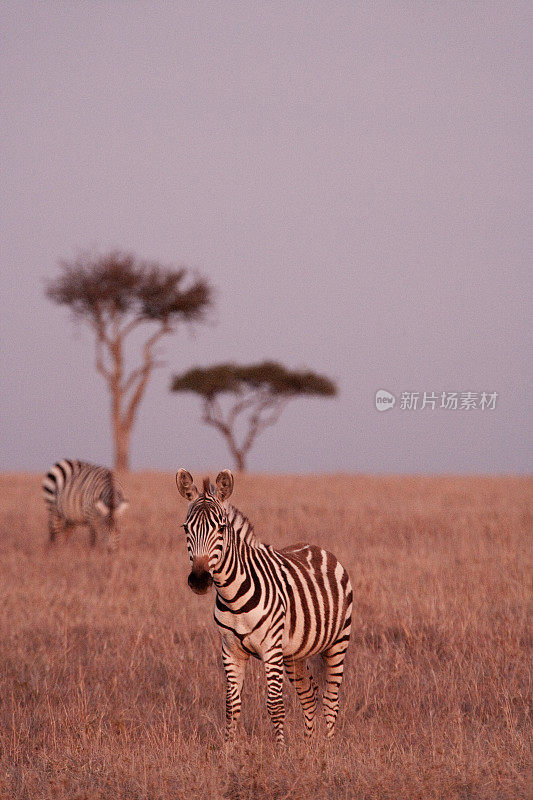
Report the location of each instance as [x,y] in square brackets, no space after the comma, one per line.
[116,294]
[259,394]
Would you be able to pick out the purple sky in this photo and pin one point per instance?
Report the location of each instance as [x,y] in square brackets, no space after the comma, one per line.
[351,176]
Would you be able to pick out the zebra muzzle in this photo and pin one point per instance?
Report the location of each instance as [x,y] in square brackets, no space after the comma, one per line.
[200,579]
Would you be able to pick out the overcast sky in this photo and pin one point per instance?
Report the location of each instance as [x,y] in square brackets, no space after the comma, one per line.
[350,176]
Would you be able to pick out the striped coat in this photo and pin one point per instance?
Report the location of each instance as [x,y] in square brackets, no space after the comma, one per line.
[281,606]
[78,493]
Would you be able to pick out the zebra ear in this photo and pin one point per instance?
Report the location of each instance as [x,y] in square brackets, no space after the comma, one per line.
[224,485]
[185,485]
[102,508]
[123,505]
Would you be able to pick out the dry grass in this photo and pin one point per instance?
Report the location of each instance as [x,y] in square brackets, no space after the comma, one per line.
[111,683]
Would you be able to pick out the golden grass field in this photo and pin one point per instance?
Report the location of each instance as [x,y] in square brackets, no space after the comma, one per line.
[111,683]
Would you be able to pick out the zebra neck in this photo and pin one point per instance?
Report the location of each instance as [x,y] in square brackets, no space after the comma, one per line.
[243,528]
[239,554]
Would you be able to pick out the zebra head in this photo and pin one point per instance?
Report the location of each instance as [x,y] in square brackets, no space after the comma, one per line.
[205,525]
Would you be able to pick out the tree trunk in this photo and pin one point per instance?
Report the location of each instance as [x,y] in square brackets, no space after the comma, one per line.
[240,460]
[122,448]
[121,427]
[126,391]
[238,454]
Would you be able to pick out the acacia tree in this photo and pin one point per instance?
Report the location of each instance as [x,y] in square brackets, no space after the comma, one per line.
[260,392]
[116,294]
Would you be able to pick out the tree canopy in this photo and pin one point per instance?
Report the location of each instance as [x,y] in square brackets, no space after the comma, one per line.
[119,284]
[269,377]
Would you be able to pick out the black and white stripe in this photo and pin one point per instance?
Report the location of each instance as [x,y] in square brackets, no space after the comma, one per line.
[281,606]
[78,493]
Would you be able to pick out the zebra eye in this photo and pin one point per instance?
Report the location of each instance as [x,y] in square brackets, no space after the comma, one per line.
[185,528]
[223,527]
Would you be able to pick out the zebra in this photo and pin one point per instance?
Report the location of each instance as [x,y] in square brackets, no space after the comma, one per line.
[280,606]
[78,493]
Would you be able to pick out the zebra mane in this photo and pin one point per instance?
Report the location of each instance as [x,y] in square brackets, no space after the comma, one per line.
[242,526]
[239,522]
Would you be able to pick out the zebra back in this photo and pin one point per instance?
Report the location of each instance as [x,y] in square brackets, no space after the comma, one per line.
[76,489]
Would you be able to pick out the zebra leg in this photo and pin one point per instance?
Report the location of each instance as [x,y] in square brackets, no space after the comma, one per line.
[55,525]
[274,677]
[334,661]
[112,540]
[234,667]
[92,534]
[106,530]
[100,529]
[68,529]
[299,675]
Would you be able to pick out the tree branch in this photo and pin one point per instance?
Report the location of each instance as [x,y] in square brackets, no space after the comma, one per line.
[99,361]
[257,424]
[102,338]
[247,402]
[135,374]
[132,325]
[141,375]
[213,416]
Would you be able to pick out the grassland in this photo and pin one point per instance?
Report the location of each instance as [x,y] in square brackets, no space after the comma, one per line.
[111,683]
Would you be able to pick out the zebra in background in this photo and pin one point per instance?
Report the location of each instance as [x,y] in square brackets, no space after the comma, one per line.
[77,493]
[281,606]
